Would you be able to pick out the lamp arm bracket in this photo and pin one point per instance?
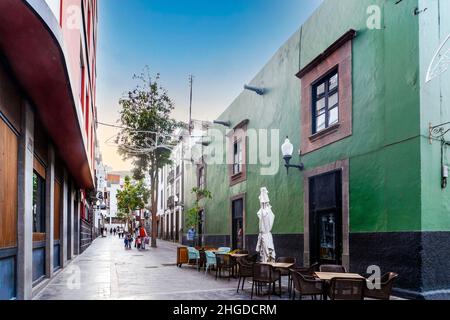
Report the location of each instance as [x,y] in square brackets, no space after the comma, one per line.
[439,131]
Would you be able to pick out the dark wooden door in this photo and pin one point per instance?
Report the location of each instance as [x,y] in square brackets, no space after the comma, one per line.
[237,225]
[326,218]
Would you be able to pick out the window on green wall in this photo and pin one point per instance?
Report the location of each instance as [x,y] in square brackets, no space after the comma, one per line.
[237,157]
[325,108]
[201,178]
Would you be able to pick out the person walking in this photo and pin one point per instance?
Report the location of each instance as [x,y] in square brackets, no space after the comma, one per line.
[125,241]
[138,243]
[110,231]
[191,236]
[114,231]
[143,235]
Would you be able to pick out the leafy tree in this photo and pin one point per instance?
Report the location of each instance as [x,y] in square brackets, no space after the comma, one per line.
[132,197]
[147,133]
[192,215]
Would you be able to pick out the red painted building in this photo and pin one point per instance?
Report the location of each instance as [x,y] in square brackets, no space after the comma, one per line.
[47,138]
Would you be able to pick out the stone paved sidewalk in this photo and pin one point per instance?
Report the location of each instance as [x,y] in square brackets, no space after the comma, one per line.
[107,271]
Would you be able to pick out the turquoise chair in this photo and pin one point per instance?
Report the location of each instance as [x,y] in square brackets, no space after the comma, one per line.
[193,254]
[224,250]
[210,260]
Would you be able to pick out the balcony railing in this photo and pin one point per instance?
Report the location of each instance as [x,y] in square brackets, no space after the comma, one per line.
[171,202]
[171,176]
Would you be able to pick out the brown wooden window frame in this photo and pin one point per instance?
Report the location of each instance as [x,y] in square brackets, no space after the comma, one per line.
[238,134]
[325,96]
[336,58]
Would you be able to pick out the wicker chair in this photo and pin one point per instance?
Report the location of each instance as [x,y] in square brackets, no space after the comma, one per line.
[306,271]
[245,270]
[252,258]
[384,293]
[286,260]
[223,262]
[194,255]
[264,274]
[306,285]
[314,267]
[346,289]
[210,261]
[333,268]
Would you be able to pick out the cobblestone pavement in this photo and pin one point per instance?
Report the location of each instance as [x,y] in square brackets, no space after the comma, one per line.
[107,271]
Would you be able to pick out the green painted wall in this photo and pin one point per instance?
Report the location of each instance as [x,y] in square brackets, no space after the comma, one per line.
[435,109]
[385,148]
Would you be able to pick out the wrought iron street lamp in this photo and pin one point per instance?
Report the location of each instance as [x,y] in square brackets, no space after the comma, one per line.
[287,149]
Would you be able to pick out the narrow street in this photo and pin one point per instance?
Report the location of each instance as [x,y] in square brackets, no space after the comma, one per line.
[107,271]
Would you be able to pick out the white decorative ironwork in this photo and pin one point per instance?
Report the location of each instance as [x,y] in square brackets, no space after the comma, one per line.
[440,62]
[151,141]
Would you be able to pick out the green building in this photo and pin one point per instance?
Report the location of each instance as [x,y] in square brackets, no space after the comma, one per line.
[352,95]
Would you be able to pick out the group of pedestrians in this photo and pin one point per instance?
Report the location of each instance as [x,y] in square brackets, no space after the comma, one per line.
[113,231]
[140,239]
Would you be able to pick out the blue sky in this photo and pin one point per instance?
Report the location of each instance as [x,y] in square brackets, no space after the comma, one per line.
[223,43]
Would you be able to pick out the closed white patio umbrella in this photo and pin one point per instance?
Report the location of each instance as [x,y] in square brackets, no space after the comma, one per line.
[265,245]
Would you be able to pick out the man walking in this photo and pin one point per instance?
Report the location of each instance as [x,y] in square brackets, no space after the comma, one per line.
[191,236]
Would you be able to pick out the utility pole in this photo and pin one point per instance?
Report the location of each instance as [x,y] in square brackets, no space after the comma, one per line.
[191,84]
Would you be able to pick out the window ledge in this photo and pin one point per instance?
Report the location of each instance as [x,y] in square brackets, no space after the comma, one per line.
[237,178]
[325,132]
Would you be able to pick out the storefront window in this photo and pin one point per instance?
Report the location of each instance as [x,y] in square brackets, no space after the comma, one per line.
[38,204]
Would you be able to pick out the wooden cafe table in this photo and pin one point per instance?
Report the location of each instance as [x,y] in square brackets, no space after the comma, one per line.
[327,276]
[279,265]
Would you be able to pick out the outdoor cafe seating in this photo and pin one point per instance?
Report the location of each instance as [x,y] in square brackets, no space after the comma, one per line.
[335,283]
[327,281]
